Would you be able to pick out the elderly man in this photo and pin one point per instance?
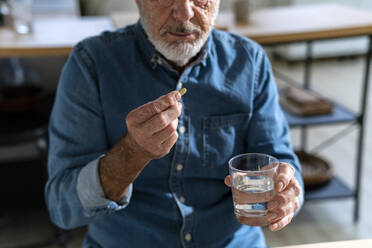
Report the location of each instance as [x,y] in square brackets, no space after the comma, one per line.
[143,166]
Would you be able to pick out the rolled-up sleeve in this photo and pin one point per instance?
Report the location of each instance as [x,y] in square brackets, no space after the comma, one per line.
[90,190]
[77,140]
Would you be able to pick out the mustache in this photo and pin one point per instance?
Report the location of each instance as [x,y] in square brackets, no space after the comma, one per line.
[181,28]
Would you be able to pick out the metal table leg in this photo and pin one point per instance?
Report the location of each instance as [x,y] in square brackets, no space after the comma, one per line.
[361,121]
[307,79]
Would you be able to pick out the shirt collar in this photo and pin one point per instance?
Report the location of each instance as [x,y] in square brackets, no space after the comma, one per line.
[155,59]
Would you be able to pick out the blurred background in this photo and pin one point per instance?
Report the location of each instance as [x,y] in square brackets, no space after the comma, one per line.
[335,145]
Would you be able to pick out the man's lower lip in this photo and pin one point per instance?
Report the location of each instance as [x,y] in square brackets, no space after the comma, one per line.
[182,35]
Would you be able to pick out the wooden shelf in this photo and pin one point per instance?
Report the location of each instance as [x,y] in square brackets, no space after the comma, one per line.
[340,115]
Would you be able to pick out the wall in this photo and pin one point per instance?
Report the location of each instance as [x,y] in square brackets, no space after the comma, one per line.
[99,7]
[107,6]
[357,3]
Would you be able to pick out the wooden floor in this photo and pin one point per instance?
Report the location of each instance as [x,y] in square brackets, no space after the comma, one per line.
[318,221]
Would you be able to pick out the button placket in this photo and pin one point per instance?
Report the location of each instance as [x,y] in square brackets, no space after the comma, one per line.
[176,183]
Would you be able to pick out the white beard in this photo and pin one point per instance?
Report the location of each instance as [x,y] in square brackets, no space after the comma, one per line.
[179,52]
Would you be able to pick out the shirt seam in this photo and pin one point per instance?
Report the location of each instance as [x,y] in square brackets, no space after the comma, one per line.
[258,72]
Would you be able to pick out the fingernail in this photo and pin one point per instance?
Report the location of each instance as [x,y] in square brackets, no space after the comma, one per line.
[178,96]
[275,226]
[280,186]
[272,216]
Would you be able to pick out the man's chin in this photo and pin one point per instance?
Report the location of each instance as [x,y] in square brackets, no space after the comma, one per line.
[179,51]
[178,58]
[180,41]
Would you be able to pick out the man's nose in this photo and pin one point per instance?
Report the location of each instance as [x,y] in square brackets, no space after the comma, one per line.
[182,10]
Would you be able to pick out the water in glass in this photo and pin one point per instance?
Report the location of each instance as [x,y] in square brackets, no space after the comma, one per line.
[251,194]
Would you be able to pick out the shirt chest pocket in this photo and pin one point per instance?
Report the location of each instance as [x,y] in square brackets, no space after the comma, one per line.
[223,137]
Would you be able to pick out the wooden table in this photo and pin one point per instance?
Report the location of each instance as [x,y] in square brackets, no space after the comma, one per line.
[52,36]
[343,244]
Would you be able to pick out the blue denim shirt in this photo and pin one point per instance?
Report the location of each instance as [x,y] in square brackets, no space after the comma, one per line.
[180,200]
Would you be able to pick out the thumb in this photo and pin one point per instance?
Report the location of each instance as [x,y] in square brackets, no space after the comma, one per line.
[228,181]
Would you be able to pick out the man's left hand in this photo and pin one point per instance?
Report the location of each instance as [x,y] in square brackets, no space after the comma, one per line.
[286,202]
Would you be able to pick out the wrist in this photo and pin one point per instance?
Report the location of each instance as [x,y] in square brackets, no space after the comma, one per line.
[136,152]
[120,167]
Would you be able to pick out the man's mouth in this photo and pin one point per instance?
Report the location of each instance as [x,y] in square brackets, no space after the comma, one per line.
[182,35]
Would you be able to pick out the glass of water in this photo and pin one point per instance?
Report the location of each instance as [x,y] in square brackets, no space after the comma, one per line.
[22,15]
[252,184]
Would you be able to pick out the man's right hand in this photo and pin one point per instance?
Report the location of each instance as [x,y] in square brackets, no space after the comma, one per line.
[153,126]
[152,132]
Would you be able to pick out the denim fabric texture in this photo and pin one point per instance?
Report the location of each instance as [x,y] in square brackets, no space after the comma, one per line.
[231,107]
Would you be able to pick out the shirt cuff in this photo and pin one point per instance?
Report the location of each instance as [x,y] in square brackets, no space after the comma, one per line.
[90,190]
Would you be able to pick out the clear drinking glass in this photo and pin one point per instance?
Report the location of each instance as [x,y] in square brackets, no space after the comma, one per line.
[252,184]
[22,15]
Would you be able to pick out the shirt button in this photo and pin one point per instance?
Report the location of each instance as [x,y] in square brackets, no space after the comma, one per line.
[182,199]
[188,237]
[179,167]
[182,129]
[160,62]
